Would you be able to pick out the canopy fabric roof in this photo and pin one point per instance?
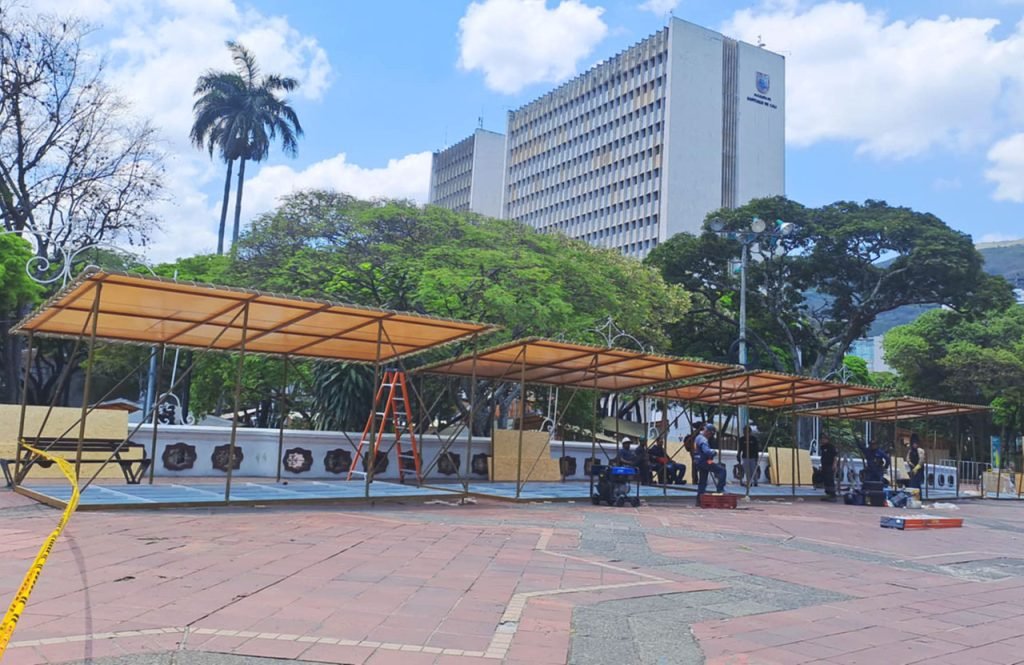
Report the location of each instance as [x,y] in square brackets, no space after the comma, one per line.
[547,362]
[149,310]
[764,390]
[894,409]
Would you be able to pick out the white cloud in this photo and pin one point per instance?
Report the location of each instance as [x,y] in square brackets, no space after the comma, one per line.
[894,88]
[155,51]
[659,7]
[404,178]
[516,43]
[1007,170]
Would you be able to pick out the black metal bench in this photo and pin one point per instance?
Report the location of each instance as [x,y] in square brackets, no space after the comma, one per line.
[133,469]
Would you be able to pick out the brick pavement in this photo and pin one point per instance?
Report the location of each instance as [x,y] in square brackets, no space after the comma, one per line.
[455,585]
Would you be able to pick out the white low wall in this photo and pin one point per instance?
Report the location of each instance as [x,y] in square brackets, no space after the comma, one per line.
[185,451]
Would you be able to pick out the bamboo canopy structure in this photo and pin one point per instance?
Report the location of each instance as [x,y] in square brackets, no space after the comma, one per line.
[148,310]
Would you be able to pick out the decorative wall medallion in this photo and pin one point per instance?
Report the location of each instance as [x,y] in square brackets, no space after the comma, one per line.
[737,471]
[298,460]
[449,463]
[479,464]
[179,456]
[338,461]
[950,480]
[567,466]
[219,458]
[381,465]
[590,463]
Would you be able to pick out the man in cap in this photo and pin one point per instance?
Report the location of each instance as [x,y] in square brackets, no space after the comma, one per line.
[704,461]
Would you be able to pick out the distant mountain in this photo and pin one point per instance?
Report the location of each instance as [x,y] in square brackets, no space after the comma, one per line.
[1001,258]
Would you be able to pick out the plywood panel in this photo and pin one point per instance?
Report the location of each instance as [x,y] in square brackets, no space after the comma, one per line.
[100,424]
[536,463]
[1002,484]
[790,469]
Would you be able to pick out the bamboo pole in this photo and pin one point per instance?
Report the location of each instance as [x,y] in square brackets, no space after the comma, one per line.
[24,407]
[88,380]
[285,409]
[472,416]
[155,402]
[371,454]
[238,398]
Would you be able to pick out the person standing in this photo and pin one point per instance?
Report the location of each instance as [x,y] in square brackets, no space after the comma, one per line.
[915,460]
[704,460]
[748,452]
[829,466]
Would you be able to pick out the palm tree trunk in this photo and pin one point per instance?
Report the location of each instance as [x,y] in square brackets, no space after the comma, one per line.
[224,209]
[238,201]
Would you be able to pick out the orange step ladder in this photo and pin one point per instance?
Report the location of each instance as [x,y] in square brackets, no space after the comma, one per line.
[396,412]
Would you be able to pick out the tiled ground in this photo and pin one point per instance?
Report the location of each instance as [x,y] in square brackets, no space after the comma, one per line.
[774,582]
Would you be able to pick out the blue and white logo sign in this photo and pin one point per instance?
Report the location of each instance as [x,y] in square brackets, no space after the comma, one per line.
[763,82]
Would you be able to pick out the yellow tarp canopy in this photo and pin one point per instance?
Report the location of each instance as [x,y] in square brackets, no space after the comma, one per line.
[896,408]
[547,362]
[148,310]
[764,390]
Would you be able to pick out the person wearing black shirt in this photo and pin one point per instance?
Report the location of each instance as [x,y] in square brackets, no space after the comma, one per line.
[829,466]
[747,454]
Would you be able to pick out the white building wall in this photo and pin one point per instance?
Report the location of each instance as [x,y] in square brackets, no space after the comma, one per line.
[761,125]
[692,171]
[488,175]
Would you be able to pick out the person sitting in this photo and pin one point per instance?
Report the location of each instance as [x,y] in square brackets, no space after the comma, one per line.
[704,460]
[638,459]
[669,472]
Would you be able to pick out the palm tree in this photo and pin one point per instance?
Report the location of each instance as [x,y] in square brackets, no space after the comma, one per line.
[240,114]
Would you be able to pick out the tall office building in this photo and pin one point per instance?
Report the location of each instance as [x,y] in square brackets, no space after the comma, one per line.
[468,176]
[644,145]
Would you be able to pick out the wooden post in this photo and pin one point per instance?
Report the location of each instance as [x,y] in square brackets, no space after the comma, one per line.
[472,416]
[24,407]
[522,419]
[88,380]
[371,452]
[238,399]
[285,408]
[155,402]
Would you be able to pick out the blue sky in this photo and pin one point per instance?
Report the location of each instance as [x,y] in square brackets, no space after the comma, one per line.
[918,102]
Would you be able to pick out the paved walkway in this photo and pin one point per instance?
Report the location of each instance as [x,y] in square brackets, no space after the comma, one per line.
[774,582]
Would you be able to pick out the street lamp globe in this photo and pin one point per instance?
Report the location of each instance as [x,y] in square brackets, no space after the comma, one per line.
[717,224]
[757,225]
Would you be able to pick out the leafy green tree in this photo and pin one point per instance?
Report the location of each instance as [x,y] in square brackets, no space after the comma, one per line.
[947,355]
[394,254]
[17,290]
[240,114]
[814,292]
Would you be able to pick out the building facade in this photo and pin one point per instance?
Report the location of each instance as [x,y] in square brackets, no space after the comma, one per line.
[647,143]
[468,176]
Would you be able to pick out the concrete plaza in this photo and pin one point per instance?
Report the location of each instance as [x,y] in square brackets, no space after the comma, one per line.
[444,584]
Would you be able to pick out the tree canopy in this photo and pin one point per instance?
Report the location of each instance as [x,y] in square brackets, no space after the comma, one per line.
[397,255]
[947,355]
[814,292]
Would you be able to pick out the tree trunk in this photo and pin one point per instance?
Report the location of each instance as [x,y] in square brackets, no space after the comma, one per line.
[238,202]
[224,209]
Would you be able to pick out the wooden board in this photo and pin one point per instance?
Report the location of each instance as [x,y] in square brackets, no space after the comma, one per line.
[993,482]
[790,469]
[100,424]
[536,463]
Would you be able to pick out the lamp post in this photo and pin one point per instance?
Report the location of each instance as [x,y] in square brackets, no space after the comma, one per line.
[757,231]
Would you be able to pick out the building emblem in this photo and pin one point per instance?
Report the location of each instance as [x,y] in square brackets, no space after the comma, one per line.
[763,83]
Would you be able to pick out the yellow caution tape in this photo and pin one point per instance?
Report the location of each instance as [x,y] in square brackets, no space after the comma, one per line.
[29,582]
